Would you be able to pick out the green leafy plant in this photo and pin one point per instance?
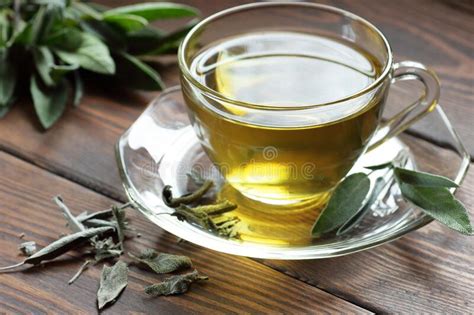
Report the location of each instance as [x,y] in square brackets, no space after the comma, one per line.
[48,46]
[431,193]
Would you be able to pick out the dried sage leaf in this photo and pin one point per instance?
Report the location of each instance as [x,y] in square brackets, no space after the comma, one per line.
[105,249]
[119,216]
[60,247]
[172,202]
[72,221]
[113,281]
[27,248]
[162,262]
[173,285]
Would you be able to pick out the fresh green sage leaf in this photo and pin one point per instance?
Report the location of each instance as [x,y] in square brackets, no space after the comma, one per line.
[87,10]
[72,222]
[173,285]
[345,201]
[49,103]
[440,204]
[126,22]
[379,166]
[28,248]
[155,10]
[144,41]
[5,27]
[65,38]
[422,179]
[379,185]
[92,55]
[44,61]
[136,74]
[113,281]
[162,262]
[170,42]
[42,24]
[8,79]
[106,33]
[60,247]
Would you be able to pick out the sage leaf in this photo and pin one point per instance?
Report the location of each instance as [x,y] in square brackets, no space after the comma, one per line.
[113,281]
[105,32]
[8,79]
[105,249]
[379,166]
[155,10]
[126,22]
[162,262]
[172,202]
[42,24]
[440,204]
[119,216]
[144,41]
[4,27]
[49,103]
[99,223]
[28,248]
[72,222]
[92,55]
[379,185]
[60,247]
[103,214]
[65,38]
[136,74]
[173,285]
[44,61]
[422,179]
[170,42]
[345,201]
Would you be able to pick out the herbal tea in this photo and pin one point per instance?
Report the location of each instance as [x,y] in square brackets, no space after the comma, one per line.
[257,147]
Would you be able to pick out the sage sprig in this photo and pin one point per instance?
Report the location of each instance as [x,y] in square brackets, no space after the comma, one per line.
[210,216]
[50,45]
[60,247]
[431,193]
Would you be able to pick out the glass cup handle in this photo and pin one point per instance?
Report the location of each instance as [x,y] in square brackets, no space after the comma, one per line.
[409,70]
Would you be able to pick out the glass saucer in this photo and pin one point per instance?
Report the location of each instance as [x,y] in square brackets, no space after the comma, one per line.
[160,148]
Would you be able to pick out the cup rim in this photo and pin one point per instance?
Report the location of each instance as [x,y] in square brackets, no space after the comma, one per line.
[220,97]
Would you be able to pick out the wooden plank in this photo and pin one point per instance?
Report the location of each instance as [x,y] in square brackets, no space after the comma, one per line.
[236,285]
[427,271]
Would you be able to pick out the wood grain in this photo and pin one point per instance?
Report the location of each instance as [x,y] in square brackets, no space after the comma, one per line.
[429,270]
[236,285]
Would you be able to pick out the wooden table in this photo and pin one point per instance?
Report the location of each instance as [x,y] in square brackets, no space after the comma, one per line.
[430,270]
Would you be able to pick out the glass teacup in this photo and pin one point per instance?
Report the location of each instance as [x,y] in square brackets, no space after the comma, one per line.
[285,97]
